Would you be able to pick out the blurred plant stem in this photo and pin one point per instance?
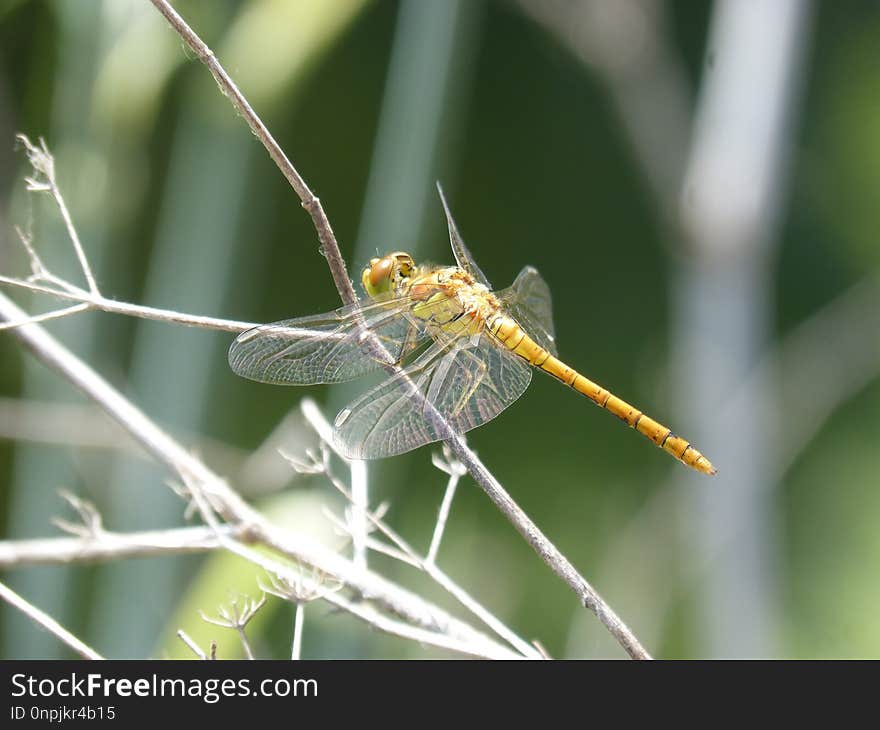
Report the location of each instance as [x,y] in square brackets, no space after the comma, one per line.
[732,199]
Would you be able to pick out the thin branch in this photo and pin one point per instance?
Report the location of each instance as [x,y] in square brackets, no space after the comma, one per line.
[233,617]
[359,494]
[42,280]
[45,317]
[455,470]
[38,269]
[43,162]
[487,651]
[431,638]
[77,295]
[298,617]
[111,546]
[310,202]
[170,316]
[299,593]
[193,647]
[47,622]
[343,527]
[91,301]
[89,526]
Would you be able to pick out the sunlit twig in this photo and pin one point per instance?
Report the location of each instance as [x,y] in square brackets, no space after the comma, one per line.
[237,618]
[44,180]
[299,593]
[455,470]
[47,622]
[193,647]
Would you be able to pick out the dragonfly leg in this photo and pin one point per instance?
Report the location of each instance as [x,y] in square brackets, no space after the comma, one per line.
[409,342]
[398,348]
[475,374]
[438,376]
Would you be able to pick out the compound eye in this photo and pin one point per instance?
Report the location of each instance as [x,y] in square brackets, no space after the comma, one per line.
[380,271]
[377,278]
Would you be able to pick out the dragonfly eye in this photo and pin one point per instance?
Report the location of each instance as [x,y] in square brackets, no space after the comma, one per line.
[376,278]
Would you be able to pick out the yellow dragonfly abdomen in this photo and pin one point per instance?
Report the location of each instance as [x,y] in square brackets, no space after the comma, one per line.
[512,336]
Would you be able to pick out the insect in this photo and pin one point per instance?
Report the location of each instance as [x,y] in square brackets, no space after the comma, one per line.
[470,352]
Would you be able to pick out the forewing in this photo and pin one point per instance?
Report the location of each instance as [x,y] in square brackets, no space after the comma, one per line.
[462,256]
[324,348]
[528,301]
[468,386]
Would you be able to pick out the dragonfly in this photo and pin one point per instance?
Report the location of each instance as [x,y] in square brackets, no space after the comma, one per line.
[455,348]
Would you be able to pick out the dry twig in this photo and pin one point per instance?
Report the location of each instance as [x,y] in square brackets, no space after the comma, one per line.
[47,622]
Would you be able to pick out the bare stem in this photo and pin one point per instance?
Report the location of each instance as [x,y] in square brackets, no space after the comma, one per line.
[360,500]
[193,647]
[310,202]
[455,471]
[110,546]
[76,294]
[47,622]
[296,649]
[248,652]
[44,164]
[91,301]
[56,314]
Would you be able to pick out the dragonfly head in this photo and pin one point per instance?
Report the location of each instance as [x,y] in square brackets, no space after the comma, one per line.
[384,276]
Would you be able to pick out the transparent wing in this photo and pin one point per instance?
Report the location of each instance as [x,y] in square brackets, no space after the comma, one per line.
[462,256]
[324,348]
[528,302]
[468,385]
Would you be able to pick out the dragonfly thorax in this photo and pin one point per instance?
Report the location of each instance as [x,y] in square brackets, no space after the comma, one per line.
[451,300]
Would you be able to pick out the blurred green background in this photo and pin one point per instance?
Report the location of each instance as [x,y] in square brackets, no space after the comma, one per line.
[532,121]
